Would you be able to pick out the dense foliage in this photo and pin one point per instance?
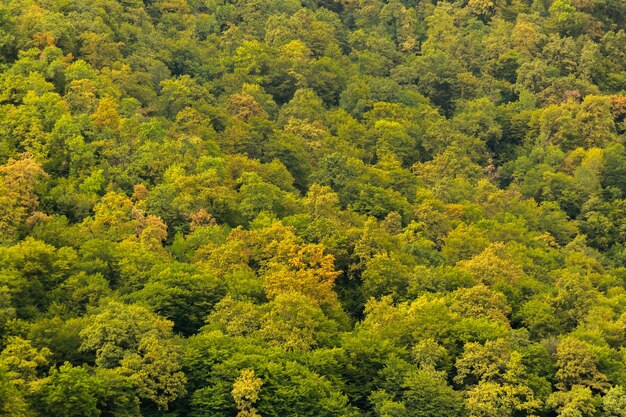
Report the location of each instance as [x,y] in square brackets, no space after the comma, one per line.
[312,208]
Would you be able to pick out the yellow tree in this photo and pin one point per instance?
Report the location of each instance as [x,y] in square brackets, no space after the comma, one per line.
[305,269]
[18,198]
[246,392]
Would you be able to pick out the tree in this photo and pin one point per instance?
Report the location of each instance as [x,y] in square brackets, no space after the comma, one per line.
[614,402]
[246,393]
[114,218]
[304,269]
[82,291]
[69,392]
[154,371]
[500,378]
[464,242]
[23,361]
[427,394]
[18,185]
[578,368]
[576,402]
[12,404]
[106,115]
[183,295]
[7,311]
[480,301]
[138,344]
[295,322]
[385,275]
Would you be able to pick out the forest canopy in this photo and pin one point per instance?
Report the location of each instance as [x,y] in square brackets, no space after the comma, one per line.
[313,208]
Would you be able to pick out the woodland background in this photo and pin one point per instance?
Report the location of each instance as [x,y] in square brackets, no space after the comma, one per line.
[312,208]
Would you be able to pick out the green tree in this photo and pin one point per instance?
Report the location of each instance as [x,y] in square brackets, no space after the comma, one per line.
[69,391]
[138,344]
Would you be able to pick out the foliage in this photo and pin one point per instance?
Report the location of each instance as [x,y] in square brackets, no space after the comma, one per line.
[313,208]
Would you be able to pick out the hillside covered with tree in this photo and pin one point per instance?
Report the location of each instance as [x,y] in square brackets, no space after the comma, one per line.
[353,208]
